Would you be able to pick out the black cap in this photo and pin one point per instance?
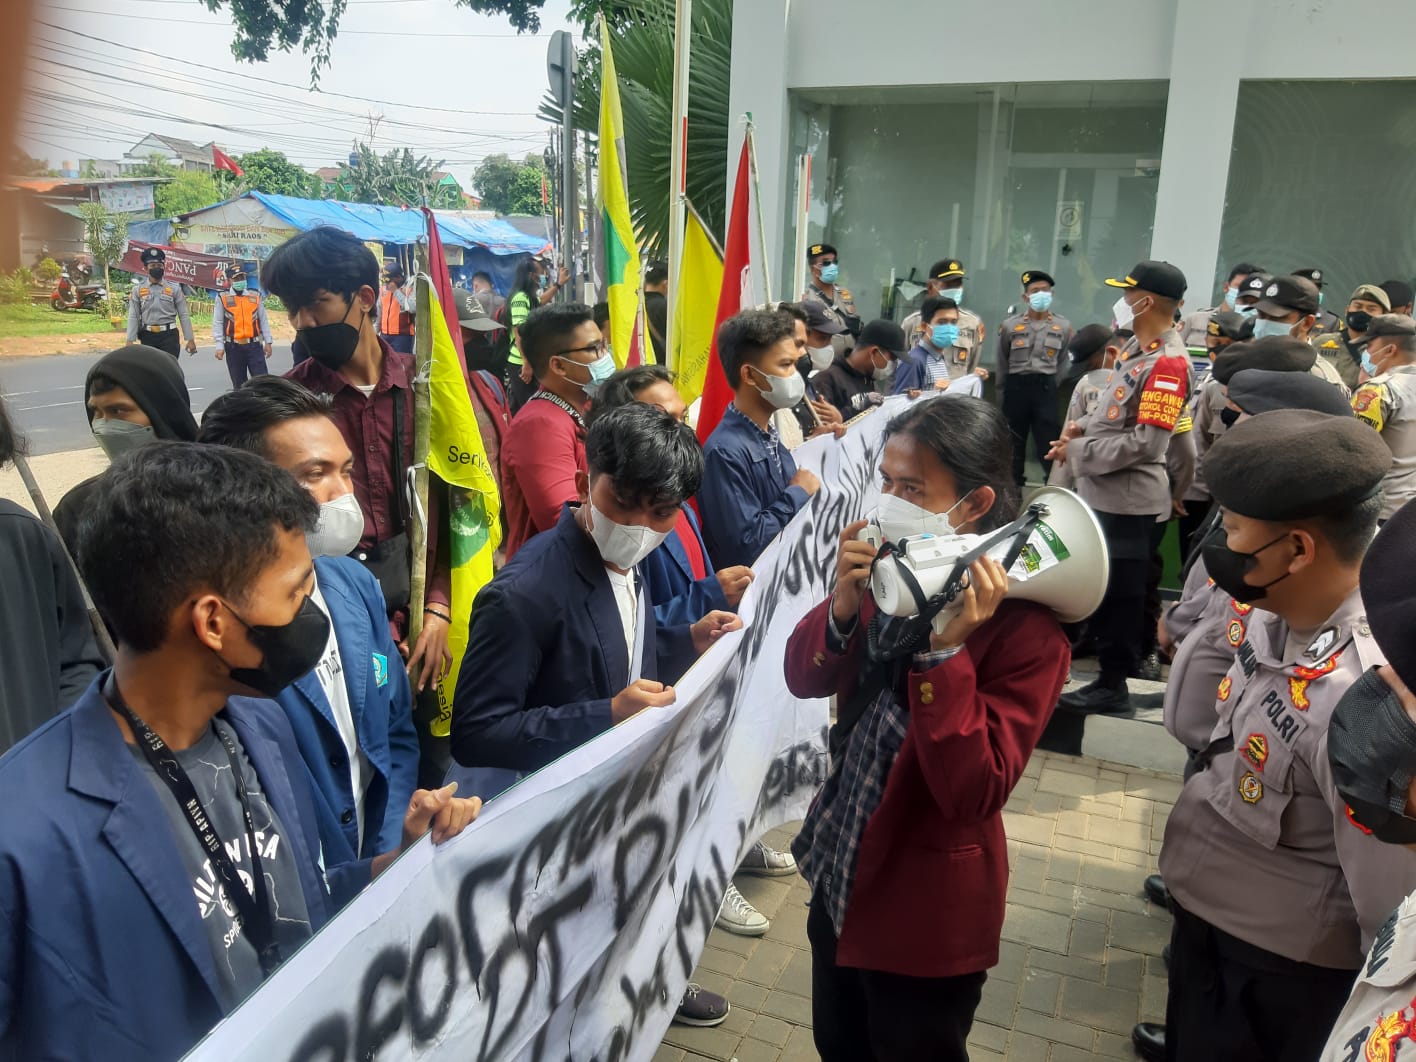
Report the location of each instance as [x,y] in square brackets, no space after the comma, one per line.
[1276,353]
[471,312]
[1391,324]
[1386,580]
[1290,294]
[1258,391]
[1293,464]
[1253,286]
[1231,325]
[1037,274]
[1088,341]
[816,250]
[1315,275]
[395,269]
[153,254]
[947,269]
[236,271]
[818,320]
[1158,278]
[886,335]
[1398,292]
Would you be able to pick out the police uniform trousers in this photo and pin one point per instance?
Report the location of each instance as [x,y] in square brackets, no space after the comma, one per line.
[1030,406]
[872,1016]
[1229,1000]
[1155,571]
[244,360]
[169,341]
[1117,625]
[401,343]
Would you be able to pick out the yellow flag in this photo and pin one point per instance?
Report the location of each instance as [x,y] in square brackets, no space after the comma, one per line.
[457,456]
[695,308]
[620,250]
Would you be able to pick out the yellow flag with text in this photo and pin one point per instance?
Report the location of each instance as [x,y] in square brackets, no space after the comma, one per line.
[457,456]
[695,308]
[621,251]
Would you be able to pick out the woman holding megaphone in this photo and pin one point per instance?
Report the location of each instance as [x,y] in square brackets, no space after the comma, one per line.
[904,845]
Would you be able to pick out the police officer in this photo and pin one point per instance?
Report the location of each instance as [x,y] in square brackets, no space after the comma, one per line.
[155,307]
[946,278]
[1289,307]
[1206,407]
[1194,327]
[1250,292]
[1343,349]
[1387,401]
[1118,457]
[1029,345]
[241,330]
[821,258]
[1273,889]
[1092,351]
[1372,754]
[396,311]
[1327,320]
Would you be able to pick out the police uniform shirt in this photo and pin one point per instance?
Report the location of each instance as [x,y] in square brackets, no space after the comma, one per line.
[1259,843]
[154,306]
[1344,357]
[1388,403]
[1194,327]
[1202,659]
[1326,370]
[840,309]
[1381,1011]
[1030,345]
[967,351]
[1083,402]
[1120,460]
[1208,403]
[1181,463]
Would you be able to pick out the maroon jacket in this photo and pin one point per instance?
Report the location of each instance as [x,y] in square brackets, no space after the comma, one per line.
[932,870]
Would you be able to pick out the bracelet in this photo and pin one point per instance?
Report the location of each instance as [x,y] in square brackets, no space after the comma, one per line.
[442,616]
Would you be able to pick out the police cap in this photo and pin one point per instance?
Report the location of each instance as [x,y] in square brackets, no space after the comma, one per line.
[1258,391]
[1290,294]
[1387,571]
[236,273]
[1034,275]
[816,250]
[818,320]
[947,269]
[1315,275]
[153,254]
[1293,464]
[1230,325]
[1278,353]
[1391,324]
[1253,287]
[1158,278]
[1088,341]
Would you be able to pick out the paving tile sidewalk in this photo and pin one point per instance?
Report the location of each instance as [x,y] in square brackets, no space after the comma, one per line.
[1080,961]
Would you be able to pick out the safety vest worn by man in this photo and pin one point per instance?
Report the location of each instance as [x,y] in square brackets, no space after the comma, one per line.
[241,311]
[394,318]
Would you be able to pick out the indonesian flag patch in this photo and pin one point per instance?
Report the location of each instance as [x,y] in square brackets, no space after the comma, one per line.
[1163,396]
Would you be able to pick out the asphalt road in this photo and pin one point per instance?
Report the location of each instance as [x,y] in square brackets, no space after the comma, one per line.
[46,394]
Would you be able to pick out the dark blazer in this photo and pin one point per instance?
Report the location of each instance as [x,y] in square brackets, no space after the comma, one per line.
[546,653]
[102,950]
[932,867]
[911,373]
[668,579]
[382,707]
[746,497]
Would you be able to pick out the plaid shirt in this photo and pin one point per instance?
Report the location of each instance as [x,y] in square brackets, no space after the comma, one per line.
[937,365]
[829,841]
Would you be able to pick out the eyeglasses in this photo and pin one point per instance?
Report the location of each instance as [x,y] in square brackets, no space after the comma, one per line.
[595,349]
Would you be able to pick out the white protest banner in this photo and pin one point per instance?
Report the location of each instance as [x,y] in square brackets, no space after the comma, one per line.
[564,923]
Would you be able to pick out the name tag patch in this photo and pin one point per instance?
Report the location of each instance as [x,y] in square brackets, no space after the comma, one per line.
[380,669]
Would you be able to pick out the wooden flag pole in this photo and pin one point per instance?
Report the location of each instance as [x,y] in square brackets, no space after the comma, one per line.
[757,203]
[683,15]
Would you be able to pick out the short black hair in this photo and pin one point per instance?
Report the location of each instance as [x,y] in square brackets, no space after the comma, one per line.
[657,273]
[1350,531]
[1122,334]
[624,386]
[932,305]
[972,440]
[323,259]
[601,313]
[651,457]
[240,418]
[1244,269]
[795,310]
[175,518]
[482,274]
[11,442]
[746,336]
[545,328]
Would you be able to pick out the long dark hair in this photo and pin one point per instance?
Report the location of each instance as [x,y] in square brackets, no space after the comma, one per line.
[524,280]
[972,440]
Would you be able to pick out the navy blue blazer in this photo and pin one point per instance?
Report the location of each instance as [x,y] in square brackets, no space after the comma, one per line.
[102,950]
[546,653]
[382,707]
[745,500]
[668,580]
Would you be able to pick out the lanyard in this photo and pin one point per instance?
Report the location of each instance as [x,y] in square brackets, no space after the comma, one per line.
[557,400]
[255,911]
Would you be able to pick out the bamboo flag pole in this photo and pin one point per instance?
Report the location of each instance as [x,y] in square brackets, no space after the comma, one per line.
[417,528]
[757,202]
[683,15]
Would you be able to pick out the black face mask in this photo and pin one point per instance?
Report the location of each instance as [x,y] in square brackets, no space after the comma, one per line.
[287,652]
[1372,751]
[1229,417]
[155,274]
[332,345]
[1227,568]
[1359,320]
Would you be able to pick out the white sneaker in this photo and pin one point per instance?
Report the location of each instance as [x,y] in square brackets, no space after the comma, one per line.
[738,916]
[764,862]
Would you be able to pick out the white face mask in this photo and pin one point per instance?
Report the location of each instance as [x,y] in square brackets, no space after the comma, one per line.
[782,392]
[340,526]
[821,357]
[622,545]
[899,519]
[1125,316]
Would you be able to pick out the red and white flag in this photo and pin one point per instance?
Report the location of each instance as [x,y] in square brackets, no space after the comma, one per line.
[222,161]
[736,294]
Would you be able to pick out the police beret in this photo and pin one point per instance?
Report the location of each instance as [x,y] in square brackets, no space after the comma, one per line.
[1293,464]
[153,254]
[946,269]
[1033,275]
[1087,341]
[816,250]
[1231,325]
[1391,324]
[1386,593]
[1158,278]
[1258,391]
[1279,353]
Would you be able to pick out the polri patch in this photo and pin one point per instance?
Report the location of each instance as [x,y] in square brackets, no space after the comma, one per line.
[1250,788]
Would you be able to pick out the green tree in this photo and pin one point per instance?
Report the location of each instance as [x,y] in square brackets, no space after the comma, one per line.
[398,178]
[153,166]
[24,164]
[271,172]
[509,187]
[187,191]
[106,234]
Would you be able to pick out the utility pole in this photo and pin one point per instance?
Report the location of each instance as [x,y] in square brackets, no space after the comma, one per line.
[560,72]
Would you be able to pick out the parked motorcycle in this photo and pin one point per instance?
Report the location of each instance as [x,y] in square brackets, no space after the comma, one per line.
[69,294]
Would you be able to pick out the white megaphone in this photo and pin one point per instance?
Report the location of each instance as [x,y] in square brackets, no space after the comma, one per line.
[1064,563]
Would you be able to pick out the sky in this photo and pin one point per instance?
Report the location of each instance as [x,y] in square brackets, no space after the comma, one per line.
[447,83]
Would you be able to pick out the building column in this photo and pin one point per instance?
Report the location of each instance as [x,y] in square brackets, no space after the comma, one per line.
[1199,131]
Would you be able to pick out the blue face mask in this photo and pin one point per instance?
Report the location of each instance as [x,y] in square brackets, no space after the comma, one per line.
[1230,294]
[957,294]
[944,336]
[238,286]
[1251,311]
[1368,365]
[829,273]
[1040,301]
[1264,328]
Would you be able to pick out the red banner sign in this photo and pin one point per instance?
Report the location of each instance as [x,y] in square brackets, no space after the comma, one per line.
[185,267]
